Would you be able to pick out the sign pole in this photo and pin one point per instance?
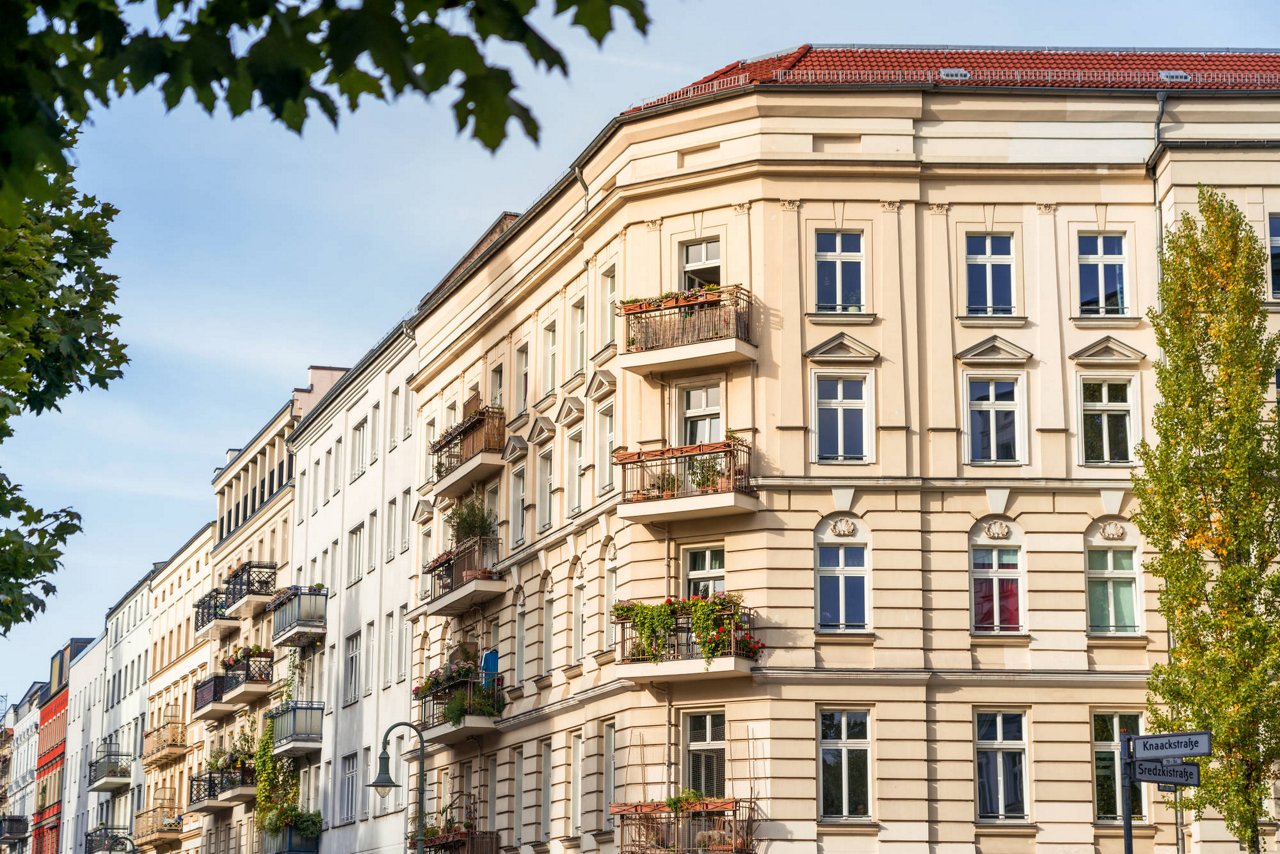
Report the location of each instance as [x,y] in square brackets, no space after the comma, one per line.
[1126,775]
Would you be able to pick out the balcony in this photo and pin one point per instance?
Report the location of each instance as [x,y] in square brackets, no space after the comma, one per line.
[290,841]
[463,577]
[298,616]
[693,329]
[246,676]
[236,786]
[709,825]
[164,744]
[203,789]
[296,727]
[111,771]
[688,482]
[729,648]
[469,452]
[209,704]
[250,588]
[159,827]
[99,839]
[455,828]
[212,620]
[13,828]
[458,705]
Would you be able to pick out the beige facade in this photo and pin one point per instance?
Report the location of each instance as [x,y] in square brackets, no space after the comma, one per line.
[923,499]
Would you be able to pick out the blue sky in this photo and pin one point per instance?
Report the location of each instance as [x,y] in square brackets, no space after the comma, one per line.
[247,253]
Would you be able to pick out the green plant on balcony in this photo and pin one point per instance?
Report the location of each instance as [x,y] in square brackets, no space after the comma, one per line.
[706,473]
[716,622]
[461,702]
[682,801]
[470,518]
[667,483]
[242,654]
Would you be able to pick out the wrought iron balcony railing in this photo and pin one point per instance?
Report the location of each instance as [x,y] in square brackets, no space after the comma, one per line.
[99,839]
[688,318]
[483,430]
[297,720]
[209,691]
[479,694]
[711,825]
[733,636]
[203,787]
[468,561]
[711,467]
[150,825]
[235,778]
[13,827]
[209,607]
[110,764]
[252,669]
[251,578]
[169,735]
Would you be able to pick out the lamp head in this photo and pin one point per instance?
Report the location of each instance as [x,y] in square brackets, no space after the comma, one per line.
[383,784]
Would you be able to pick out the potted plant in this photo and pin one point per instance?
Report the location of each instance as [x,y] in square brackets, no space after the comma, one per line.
[667,483]
[706,474]
[470,518]
[634,305]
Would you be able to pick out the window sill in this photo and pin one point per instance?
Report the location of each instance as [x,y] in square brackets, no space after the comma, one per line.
[542,682]
[1005,828]
[853,638]
[605,657]
[839,318]
[1006,639]
[545,402]
[864,461]
[1107,829]
[522,418]
[608,352]
[575,670]
[1118,641]
[515,692]
[1011,321]
[1107,321]
[605,835]
[579,377]
[851,826]
[996,464]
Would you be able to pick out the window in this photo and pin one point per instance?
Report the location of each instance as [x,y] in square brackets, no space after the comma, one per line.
[337,465]
[1101,274]
[405,641]
[368,645]
[373,432]
[989,269]
[365,776]
[842,587]
[388,646]
[358,449]
[328,474]
[839,280]
[1108,728]
[549,354]
[993,420]
[1105,408]
[495,385]
[517,507]
[355,554]
[996,575]
[405,502]
[845,780]
[841,418]
[393,423]
[548,625]
[579,619]
[704,571]
[408,412]
[574,473]
[700,415]
[700,264]
[517,800]
[522,378]
[351,674]
[1113,587]
[705,753]
[390,533]
[347,789]
[578,329]
[575,783]
[372,528]
[545,476]
[520,641]
[608,303]
[605,442]
[544,801]
[610,599]
[1002,757]
[610,771]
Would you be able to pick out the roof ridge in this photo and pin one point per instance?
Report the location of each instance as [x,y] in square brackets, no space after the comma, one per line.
[940,48]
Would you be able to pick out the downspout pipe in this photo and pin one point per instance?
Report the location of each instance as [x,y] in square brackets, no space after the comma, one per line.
[1161,100]
[586,193]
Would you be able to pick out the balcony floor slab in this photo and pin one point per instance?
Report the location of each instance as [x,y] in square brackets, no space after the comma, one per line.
[684,357]
[685,669]
[461,479]
[689,507]
[472,726]
[467,596]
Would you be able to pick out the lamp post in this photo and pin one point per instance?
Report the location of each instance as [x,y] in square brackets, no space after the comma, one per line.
[383,783]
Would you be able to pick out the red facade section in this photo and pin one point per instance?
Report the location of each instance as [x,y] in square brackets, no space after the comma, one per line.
[51,740]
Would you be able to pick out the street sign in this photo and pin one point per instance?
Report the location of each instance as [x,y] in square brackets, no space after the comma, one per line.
[1187,774]
[1166,787]
[1172,746]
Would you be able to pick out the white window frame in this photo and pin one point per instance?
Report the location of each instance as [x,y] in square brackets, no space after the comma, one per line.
[608,303]
[988,261]
[393,418]
[682,415]
[373,432]
[520,640]
[406,513]
[574,475]
[575,783]
[845,745]
[606,428]
[689,577]
[1108,576]
[996,575]
[1000,746]
[610,599]
[610,781]
[522,386]
[867,405]
[689,269]
[517,795]
[550,356]
[496,383]
[359,448]
[1131,408]
[355,554]
[519,489]
[1137,803]
[578,328]
[389,534]
[351,669]
[548,628]
[546,488]
[347,789]
[1099,261]
[708,745]
[1020,407]
[547,763]
[838,257]
[1273,249]
[841,572]
[578,620]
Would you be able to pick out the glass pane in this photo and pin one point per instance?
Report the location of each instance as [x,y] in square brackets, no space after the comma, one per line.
[979,390]
[1002,288]
[1275,226]
[983,604]
[1113,281]
[1008,558]
[1013,784]
[853,434]
[1099,607]
[1005,390]
[1001,244]
[983,558]
[692,253]
[1118,436]
[1088,244]
[987,730]
[978,288]
[1097,560]
[827,285]
[828,556]
[1118,392]
[1106,791]
[713,251]
[1010,608]
[851,283]
[1130,724]
[988,783]
[829,601]
[1012,723]
[1006,435]
[716,559]
[1093,392]
[828,435]
[857,762]
[829,723]
[1089,288]
[697,728]
[854,602]
[852,389]
[826,241]
[828,389]
[1122,600]
[1113,244]
[855,556]
[1093,450]
[1122,560]
[1103,728]
[856,723]
[851,241]
[832,790]
[975,244]
[980,435]
[697,561]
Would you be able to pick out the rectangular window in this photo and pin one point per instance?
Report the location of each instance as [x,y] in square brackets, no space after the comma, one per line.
[355,554]
[545,477]
[704,572]
[1113,586]
[359,449]
[841,418]
[1002,760]
[578,329]
[605,442]
[405,512]
[549,354]
[388,647]
[842,588]
[575,783]
[610,599]
[989,272]
[371,556]
[328,474]
[548,629]
[578,622]
[351,673]
[996,576]
[544,801]
[845,773]
[840,259]
[337,465]
[347,789]
[520,642]
[408,412]
[574,474]
[402,659]
[369,631]
[1107,730]
[495,385]
[1106,407]
[522,379]
[700,415]
[700,264]
[1102,274]
[393,421]
[517,799]
[993,420]
[390,533]
[610,772]
[608,302]
[704,753]
[365,767]
[517,507]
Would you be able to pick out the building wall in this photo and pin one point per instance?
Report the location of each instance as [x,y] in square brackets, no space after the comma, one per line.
[22,788]
[128,650]
[81,809]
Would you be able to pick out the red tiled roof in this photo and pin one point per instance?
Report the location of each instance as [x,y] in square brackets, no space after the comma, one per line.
[960,67]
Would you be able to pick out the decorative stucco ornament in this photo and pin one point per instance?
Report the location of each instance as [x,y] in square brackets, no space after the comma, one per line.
[844,527]
[1112,531]
[996,530]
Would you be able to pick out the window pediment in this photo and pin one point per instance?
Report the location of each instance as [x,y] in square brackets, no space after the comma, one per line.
[601,385]
[994,351]
[543,429]
[1109,352]
[842,349]
[570,411]
[515,449]
[422,511]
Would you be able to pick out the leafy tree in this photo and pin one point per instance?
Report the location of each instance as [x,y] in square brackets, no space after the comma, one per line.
[57,334]
[1210,509]
[60,57]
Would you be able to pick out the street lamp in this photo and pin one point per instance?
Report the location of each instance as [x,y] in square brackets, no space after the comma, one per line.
[384,783]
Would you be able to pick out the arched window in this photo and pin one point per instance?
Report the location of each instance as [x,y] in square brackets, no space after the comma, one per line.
[997,586]
[842,586]
[1113,577]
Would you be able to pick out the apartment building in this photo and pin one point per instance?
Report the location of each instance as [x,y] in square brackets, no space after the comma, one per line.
[15,834]
[252,544]
[805,406]
[83,811]
[51,746]
[173,747]
[345,614]
[8,830]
